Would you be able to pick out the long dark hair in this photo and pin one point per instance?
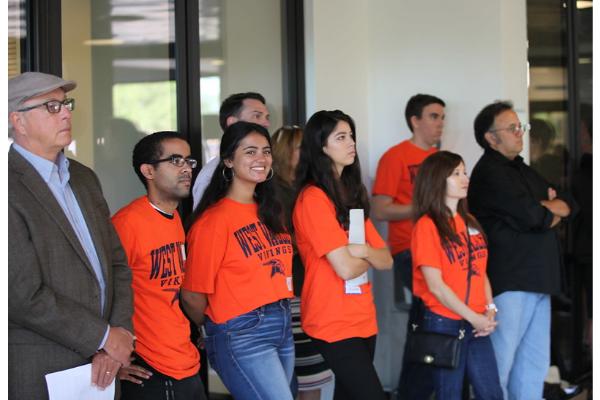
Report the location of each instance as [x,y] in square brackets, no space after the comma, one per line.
[315,167]
[269,207]
[429,196]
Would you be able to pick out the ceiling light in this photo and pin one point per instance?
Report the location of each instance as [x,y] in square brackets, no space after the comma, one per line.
[584,4]
[103,42]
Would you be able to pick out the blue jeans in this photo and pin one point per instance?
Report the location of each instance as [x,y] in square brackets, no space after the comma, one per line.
[522,343]
[254,352]
[476,360]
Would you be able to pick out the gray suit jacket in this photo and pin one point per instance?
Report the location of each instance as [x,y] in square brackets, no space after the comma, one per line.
[54,317]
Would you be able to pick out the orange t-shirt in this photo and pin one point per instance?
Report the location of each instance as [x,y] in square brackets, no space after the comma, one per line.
[237,261]
[155,250]
[452,259]
[328,313]
[395,177]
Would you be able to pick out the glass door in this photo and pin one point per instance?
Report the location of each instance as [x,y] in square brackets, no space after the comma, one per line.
[121,53]
[240,51]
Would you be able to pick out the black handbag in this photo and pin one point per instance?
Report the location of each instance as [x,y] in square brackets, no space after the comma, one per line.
[438,349]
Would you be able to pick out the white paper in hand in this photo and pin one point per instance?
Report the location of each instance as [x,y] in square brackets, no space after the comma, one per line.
[356,231]
[76,384]
[356,235]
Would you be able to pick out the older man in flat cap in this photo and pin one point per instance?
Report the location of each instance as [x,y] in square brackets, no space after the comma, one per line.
[69,294]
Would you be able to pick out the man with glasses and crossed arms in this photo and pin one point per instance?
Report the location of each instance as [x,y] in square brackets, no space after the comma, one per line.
[69,294]
[166,362]
[518,210]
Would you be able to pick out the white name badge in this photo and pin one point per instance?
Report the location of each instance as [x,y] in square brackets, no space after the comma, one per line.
[352,286]
[473,231]
[288,280]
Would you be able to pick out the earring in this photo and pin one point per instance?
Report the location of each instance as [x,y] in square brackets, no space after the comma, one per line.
[271,176]
[225,175]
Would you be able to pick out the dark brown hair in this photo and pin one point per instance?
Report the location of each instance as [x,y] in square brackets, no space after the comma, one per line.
[429,196]
[270,210]
[317,168]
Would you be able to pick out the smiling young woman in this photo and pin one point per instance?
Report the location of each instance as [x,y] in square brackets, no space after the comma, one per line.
[238,273]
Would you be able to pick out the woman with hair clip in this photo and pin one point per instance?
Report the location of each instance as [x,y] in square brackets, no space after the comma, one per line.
[449,254]
[338,312]
[313,375]
[238,273]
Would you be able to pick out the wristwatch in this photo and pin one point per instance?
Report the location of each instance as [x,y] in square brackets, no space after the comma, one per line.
[491,306]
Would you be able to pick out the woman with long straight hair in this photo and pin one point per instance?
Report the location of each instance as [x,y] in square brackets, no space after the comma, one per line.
[338,312]
[449,253]
[238,272]
[313,377]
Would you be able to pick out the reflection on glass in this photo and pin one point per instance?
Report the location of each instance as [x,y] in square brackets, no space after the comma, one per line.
[120,54]
[546,155]
[586,64]
[548,90]
[240,51]
[16,32]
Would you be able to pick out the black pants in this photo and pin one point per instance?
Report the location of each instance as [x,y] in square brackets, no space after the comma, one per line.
[351,360]
[162,387]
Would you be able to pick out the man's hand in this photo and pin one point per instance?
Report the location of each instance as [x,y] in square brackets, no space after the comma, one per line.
[104,369]
[133,372]
[119,345]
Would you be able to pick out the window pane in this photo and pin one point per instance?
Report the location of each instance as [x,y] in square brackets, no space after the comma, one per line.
[120,53]
[16,32]
[548,89]
[585,68]
[240,51]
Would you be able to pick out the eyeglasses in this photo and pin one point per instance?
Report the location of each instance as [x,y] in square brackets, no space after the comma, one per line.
[177,161]
[514,129]
[53,106]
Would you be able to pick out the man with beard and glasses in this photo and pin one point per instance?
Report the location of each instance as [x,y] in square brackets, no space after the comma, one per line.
[166,361]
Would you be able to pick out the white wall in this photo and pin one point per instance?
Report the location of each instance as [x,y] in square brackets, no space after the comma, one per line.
[251,33]
[369,58]
[337,69]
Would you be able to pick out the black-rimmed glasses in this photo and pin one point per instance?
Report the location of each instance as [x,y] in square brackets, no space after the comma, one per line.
[177,161]
[53,106]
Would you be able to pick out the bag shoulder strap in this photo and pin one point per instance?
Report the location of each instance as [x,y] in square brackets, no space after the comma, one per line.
[469,267]
[469,275]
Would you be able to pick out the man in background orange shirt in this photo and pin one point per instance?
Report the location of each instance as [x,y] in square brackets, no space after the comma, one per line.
[392,197]
[167,362]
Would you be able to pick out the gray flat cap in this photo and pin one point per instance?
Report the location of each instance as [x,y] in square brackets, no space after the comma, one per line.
[31,84]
